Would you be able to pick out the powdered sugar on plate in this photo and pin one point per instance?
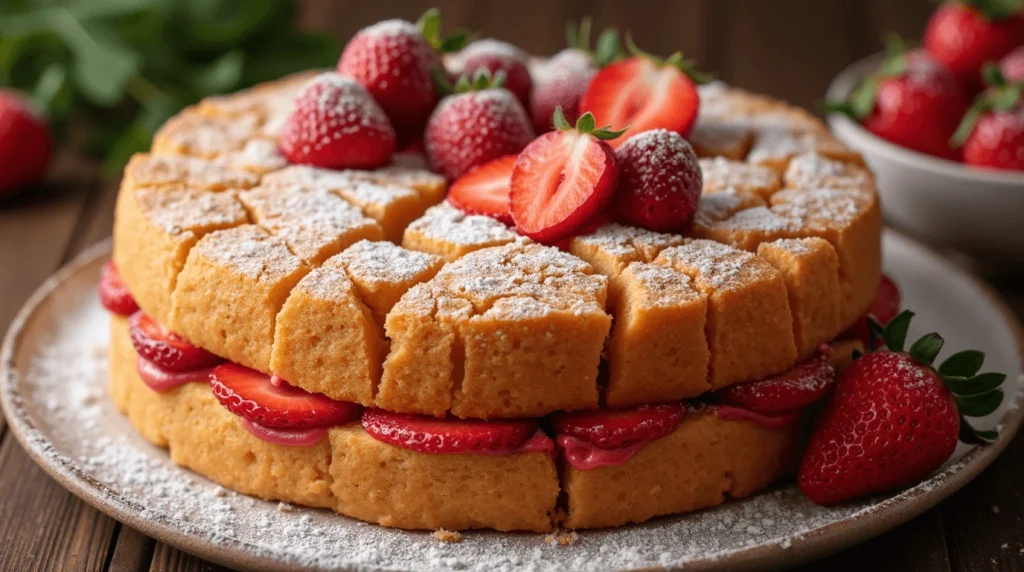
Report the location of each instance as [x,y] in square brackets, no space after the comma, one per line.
[55,392]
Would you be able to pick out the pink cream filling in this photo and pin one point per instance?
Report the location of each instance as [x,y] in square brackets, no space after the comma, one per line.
[538,443]
[159,379]
[286,437]
[730,413]
[584,456]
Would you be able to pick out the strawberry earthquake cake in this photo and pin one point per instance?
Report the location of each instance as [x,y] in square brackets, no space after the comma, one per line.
[593,296]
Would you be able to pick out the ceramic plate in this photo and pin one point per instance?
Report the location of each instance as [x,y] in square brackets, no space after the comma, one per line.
[55,398]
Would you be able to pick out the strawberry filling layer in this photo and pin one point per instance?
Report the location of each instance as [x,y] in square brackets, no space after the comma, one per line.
[780,421]
[538,443]
[584,456]
[285,437]
[159,379]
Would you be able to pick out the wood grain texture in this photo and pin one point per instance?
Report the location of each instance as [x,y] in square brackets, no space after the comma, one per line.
[168,559]
[133,551]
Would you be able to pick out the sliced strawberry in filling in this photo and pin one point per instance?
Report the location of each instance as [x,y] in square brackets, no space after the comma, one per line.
[777,421]
[114,295]
[250,395]
[165,348]
[614,428]
[484,190]
[285,437]
[790,391]
[642,94]
[561,181]
[432,435]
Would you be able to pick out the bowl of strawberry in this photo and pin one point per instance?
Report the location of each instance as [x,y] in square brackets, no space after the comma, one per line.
[942,127]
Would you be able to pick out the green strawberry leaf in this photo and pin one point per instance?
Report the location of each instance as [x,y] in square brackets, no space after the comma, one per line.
[966,363]
[559,121]
[978,384]
[608,48]
[895,334]
[586,123]
[981,404]
[971,436]
[927,348]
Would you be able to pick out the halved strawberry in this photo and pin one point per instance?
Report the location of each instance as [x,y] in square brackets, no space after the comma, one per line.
[165,348]
[114,295]
[432,435]
[484,189]
[563,179]
[790,391]
[249,394]
[884,308]
[159,379]
[642,93]
[614,428]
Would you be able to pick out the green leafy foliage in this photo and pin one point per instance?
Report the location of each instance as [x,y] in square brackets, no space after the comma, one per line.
[123,67]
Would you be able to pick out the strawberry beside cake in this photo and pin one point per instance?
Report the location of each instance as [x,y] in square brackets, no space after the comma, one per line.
[638,311]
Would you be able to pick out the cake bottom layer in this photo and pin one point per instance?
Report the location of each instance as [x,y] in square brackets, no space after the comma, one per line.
[704,462]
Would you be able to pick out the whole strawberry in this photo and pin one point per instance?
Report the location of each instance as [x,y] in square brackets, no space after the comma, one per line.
[660,181]
[336,124]
[992,132]
[562,80]
[963,35]
[25,144]
[493,56]
[911,101]
[394,60]
[480,122]
[893,419]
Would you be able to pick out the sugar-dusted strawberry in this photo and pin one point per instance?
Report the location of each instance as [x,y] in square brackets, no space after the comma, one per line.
[893,418]
[992,132]
[884,307]
[336,124]
[25,143]
[563,180]
[1012,66]
[790,391]
[432,435]
[614,428]
[964,34]
[484,189]
[165,348]
[660,181]
[249,394]
[643,92]
[479,122]
[394,60]
[114,295]
[493,56]
[911,101]
[562,80]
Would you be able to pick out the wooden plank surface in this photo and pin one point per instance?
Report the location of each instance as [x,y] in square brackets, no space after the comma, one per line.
[788,48]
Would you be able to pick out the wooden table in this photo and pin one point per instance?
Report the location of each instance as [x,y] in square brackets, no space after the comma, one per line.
[788,48]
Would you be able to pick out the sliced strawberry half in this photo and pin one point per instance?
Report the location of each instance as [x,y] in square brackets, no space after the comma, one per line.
[484,190]
[790,391]
[884,308]
[114,295]
[432,435]
[642,93]
[563,179]
[614,428]
[165,348]
[250,395]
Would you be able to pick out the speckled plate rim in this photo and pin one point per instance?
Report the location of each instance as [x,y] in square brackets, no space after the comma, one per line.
[883,516]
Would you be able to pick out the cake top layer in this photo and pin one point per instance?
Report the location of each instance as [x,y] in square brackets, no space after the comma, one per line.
[445,222]
[622,240]
[384,262]
[249,250]
[716,267]
[177,209]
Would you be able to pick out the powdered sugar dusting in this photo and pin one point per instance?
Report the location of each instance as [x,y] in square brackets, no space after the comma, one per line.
[63,385]
[157,170]
[717,267]
[445,223]
[249,250]
[177,210]
[384,262]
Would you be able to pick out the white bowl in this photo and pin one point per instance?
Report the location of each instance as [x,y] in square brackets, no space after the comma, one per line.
[979,212]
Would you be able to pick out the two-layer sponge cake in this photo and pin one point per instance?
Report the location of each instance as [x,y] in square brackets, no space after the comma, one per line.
[355,289]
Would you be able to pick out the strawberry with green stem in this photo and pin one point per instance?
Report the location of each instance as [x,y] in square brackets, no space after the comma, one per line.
[911,101]
[645,92]
[894,417]
[992,132]
[562,80]
[964,34]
